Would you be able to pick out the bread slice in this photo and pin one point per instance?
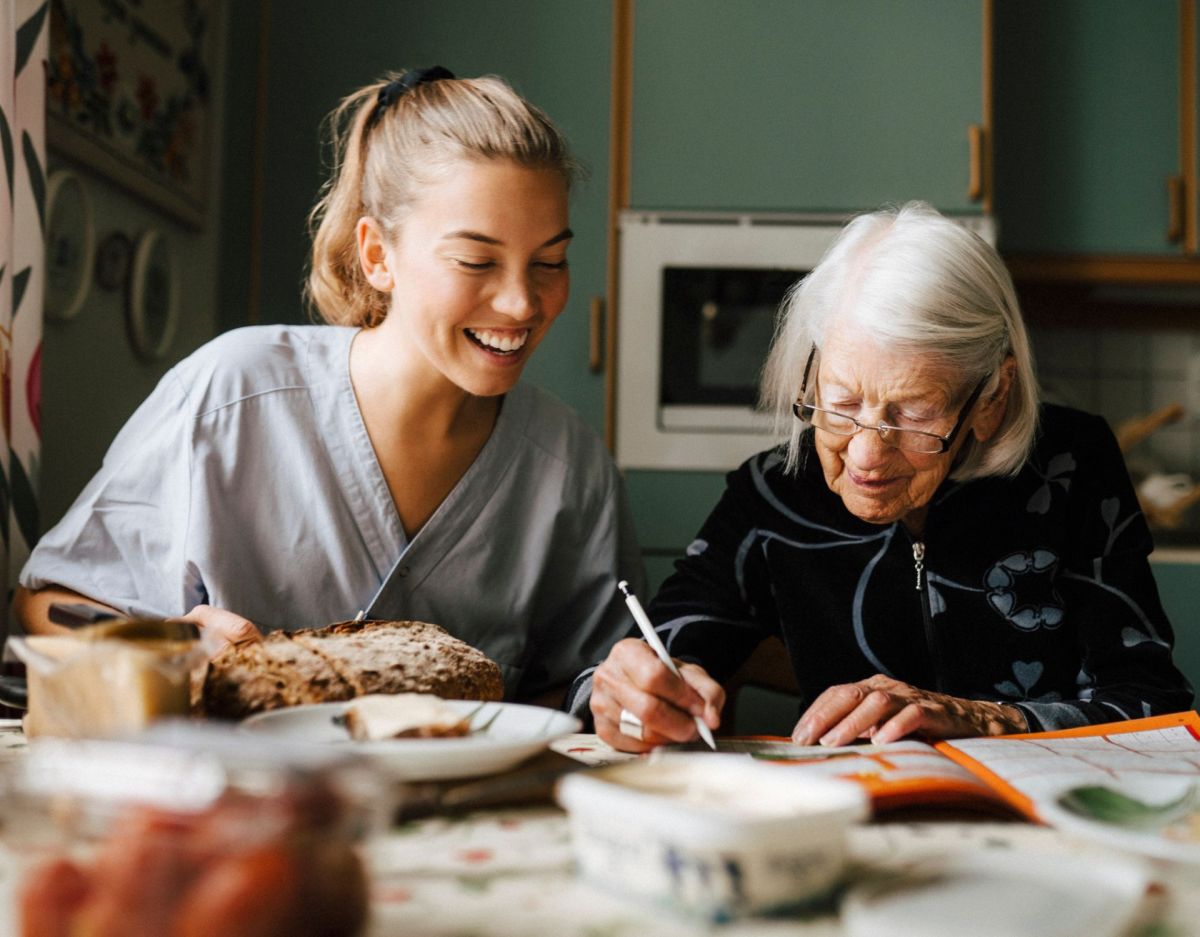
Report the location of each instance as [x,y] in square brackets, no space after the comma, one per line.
[402,716]
[345,660]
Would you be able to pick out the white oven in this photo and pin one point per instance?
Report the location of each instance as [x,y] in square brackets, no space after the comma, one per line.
[699,293]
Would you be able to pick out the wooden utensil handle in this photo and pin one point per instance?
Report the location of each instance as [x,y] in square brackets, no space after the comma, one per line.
[1132,432]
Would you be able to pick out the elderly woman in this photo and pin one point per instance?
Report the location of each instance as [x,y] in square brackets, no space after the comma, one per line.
[940,555]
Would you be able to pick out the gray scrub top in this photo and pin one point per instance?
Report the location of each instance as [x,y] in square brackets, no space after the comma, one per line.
[247,481]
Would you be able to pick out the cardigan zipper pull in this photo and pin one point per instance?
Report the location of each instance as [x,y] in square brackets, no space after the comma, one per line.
[919,560]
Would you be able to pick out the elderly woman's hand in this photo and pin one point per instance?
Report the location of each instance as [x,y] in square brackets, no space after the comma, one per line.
[633,678]
[884,710]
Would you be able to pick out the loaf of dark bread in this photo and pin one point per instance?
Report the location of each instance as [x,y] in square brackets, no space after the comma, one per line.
[345,660]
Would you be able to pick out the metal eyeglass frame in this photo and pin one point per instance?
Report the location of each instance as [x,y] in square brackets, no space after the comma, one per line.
[882,428]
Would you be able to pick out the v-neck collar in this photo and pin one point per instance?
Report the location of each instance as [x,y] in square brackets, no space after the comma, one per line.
[366,490]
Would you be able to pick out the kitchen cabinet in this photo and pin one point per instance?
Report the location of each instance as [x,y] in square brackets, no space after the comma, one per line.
[814,106]
[1087,125]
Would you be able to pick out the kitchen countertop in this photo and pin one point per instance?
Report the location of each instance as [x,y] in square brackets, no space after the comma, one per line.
[1176,555]
[508,873]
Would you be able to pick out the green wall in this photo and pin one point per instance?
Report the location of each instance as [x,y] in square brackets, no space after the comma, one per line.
[91,379]
[1179,588]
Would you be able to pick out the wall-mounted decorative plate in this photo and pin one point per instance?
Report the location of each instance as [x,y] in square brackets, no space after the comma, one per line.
[113,257]
[70,244]
[153,305]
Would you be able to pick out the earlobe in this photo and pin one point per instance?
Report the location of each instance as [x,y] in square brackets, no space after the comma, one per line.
[373,255]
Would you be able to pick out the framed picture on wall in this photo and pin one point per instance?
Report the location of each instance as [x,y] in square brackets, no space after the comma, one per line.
[129,93]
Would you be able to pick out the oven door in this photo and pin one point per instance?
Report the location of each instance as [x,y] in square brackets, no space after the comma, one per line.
[717,324]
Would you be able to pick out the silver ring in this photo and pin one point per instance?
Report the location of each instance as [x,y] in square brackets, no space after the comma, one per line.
[630,725]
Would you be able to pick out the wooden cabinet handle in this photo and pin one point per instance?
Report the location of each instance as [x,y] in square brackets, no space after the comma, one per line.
[975,143]
[1176,195]
[596,335]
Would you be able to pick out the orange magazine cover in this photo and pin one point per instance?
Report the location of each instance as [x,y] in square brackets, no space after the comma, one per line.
[995,773]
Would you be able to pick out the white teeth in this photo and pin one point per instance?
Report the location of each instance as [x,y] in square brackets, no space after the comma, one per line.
[500,341]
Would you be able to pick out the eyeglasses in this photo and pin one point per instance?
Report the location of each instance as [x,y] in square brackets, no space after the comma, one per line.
[910,440]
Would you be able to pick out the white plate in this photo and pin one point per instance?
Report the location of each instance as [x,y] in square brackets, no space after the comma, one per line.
[999,893]
[1147,841]
[518,732]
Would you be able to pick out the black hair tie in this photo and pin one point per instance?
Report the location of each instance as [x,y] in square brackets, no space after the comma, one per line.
[397,87]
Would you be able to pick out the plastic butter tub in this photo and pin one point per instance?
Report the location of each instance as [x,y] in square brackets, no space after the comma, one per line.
[713,835]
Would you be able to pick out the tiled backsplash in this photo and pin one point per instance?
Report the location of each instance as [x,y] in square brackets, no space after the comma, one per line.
[1122,375]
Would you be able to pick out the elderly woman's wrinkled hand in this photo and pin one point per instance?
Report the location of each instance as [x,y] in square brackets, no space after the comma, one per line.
[884,710]
[633,679]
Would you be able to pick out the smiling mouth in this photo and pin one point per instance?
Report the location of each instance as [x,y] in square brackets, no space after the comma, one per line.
[497,342]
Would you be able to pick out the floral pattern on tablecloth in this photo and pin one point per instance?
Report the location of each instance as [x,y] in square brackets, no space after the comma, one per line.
[504,842]
[510,873]
[588,748]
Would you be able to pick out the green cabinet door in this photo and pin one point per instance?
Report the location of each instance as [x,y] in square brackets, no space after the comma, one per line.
[1086,124]
[816,105]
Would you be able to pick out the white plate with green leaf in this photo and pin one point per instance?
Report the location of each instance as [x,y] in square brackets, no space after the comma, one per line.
[1153,815]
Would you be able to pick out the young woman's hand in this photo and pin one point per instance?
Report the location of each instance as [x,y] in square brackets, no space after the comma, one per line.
[220,628]
[633,679]
[883,710]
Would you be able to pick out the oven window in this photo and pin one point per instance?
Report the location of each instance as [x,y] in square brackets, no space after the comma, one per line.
[717,328]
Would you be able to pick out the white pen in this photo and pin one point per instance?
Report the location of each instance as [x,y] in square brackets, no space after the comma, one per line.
[652,638]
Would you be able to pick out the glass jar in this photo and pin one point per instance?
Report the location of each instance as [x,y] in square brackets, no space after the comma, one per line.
[188,830]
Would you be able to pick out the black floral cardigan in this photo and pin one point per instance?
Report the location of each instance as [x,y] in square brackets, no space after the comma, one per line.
[1033,590]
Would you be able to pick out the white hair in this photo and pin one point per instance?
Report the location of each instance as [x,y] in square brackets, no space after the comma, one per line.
[917,282]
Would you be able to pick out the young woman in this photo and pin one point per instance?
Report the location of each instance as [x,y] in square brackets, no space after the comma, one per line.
[388,462]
